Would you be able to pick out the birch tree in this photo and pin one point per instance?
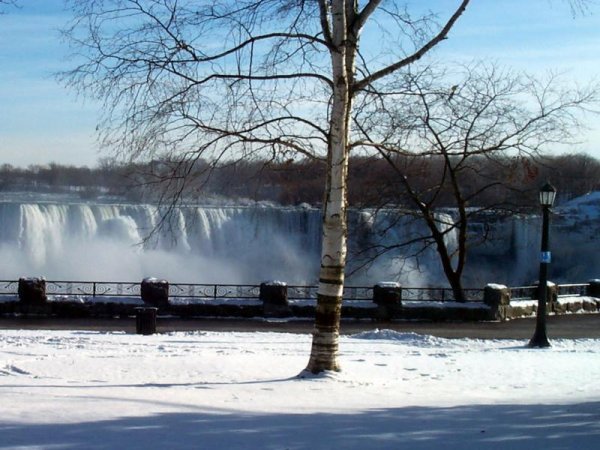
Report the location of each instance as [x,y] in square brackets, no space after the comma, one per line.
[234,79]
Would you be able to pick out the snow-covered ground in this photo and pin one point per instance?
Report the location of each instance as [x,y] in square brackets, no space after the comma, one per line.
[199,390]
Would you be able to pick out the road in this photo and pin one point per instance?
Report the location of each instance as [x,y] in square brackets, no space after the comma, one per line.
[565,326]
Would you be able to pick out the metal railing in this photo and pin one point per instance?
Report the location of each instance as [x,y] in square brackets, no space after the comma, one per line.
[9,287]
[226,291]
[523,292]
[213,291]
[572,290]
[439,294]
[251,292]
[563,290]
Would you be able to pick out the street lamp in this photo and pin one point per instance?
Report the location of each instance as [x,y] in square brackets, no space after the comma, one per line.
[539,339]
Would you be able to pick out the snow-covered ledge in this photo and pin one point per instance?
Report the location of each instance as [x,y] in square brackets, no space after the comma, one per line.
[155,292]
[386,292]
[387,295]
[274,296]
[593,289]
[497,297]
[32,291]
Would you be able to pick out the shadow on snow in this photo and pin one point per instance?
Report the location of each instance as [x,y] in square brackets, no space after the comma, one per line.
[526,427]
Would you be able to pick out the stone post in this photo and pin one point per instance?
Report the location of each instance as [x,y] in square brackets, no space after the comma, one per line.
[145,320]
[593,288]
[551,295]
[155,292]
[388,298]
[32,291]
[497,297]
[273,294]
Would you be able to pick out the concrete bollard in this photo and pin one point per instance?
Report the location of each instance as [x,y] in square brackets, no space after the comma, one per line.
[32,291]
[497,297]
[551,293]
[273,294]
[388,298]
[145,320]
[155,292]
[593,288]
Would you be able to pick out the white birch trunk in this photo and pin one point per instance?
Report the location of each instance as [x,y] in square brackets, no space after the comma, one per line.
[333,254]
[341,23]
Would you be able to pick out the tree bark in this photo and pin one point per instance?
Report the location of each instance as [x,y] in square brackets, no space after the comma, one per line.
[325,343]
[452,275]
[456,284]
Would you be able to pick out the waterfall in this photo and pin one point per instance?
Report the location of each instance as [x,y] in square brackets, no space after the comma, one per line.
[247,245]
[409,256]
[196,244]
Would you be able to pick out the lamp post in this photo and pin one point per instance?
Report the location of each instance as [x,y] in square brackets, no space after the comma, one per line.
[539,339]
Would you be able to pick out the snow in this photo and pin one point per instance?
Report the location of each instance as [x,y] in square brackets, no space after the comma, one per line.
[442,305]
[217,390]
[590,198]
[585,207]
[150,280]
[530,303]
[274,283]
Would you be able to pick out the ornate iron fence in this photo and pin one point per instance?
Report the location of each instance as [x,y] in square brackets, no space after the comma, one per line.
[302,292]
[224,291]
[207,291]
[9,287]
[439,294]
[572,290]
[563,290]
[523,292]
[93,288]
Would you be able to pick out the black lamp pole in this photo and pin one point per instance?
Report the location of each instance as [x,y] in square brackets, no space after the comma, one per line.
[540,339]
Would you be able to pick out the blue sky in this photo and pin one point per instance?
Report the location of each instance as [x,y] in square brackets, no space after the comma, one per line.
[42,122]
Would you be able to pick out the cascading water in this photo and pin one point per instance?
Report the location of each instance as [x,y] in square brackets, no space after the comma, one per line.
[247,245]
[120,242]
[402,241]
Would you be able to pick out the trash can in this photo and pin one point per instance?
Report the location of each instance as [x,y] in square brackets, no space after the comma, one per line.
[145,320]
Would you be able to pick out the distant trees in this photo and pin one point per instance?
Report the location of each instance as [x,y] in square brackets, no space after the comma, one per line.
[572,174]
[372,181]
[57,178]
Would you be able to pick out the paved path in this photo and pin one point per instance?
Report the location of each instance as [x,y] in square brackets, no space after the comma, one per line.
[567,326]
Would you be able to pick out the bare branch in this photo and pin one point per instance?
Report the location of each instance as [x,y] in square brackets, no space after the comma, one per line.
[416,55]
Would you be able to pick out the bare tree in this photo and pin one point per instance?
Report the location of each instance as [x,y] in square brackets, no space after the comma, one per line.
[573,175]
[4,3]
[469,128]
[241,78]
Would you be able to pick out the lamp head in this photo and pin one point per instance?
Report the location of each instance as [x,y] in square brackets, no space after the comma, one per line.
[547,195]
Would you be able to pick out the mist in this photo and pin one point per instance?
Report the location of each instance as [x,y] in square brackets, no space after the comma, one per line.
[78,242]
[248,245]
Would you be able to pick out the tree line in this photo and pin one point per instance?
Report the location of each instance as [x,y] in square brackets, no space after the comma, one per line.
[373,182]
